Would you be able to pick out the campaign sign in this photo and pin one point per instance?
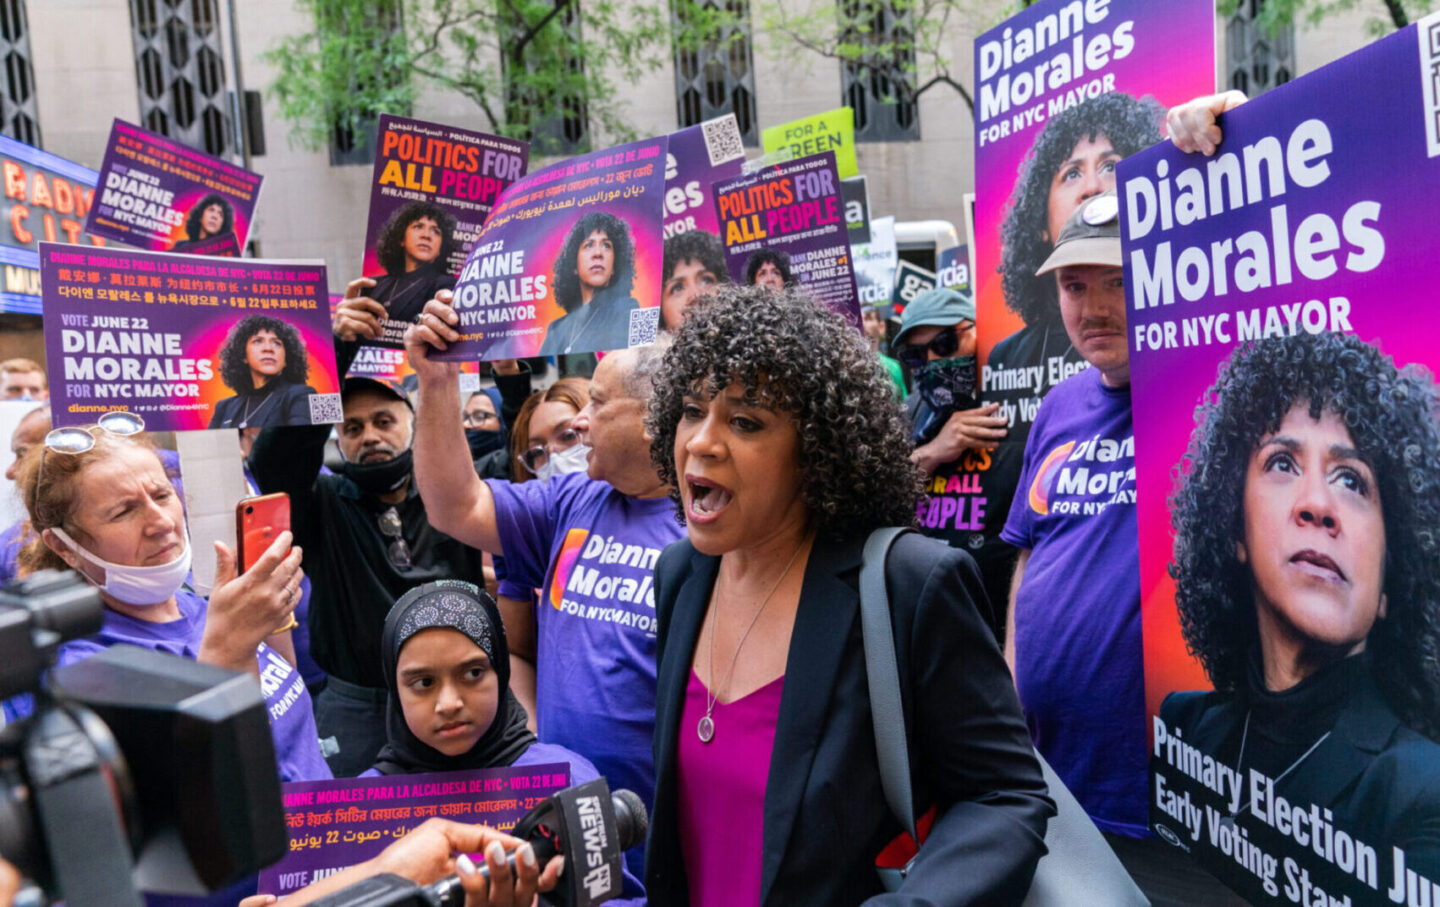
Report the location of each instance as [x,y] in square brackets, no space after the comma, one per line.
[833,130]
[185,341]
[952,268]
[697,158]
[875,263]
[160,194]
[910,281]
[46,199]
[788,219]
[338,823]
[434,186]
[856,195]
[1064,90]
[1283,347]
[569,261]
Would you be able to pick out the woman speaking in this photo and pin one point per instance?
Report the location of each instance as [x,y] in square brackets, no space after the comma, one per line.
[1307,574]
[778,433]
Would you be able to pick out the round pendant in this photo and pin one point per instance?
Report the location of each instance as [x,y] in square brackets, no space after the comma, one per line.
[706,729]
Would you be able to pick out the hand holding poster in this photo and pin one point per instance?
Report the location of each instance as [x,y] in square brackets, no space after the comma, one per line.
[785,225]
[159,194]
[434,186]
[336,824]
[1283,352]
[569,261]
[185,341]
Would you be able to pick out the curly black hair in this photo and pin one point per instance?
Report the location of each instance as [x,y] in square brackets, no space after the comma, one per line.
[235,371]
[567,276]
[1131,125]
[761,257]
[192,220]
[796,356]
[390,248]
[695,245]
[1391,416]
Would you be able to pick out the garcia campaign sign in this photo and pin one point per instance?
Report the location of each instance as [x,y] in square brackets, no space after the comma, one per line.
[1283,348]
[569,261]
[434,186]
[786,224]
[187,341]
[160,194]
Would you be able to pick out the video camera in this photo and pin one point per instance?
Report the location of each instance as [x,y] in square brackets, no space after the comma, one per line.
[136,769]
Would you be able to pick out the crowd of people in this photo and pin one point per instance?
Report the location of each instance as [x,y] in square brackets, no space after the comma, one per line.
[652,575]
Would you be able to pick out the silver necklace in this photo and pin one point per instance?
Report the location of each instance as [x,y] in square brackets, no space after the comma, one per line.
[1240,766]
[246,415]
[706,727]
[581,326]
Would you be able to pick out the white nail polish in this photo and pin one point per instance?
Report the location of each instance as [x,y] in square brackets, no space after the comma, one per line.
[465,865]
[527,853]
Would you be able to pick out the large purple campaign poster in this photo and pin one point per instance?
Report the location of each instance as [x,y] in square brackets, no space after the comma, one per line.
[784,225]
[158,194]
[337,824]
[569,261]
[434,186]
[698,157]
[187,341]
[1064,90]
[1283,346]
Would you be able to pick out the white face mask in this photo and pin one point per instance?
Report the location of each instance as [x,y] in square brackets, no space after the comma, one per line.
[135,585]
[564,463]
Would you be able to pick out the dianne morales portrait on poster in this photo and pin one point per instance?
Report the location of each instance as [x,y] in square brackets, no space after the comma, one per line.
[1283,351]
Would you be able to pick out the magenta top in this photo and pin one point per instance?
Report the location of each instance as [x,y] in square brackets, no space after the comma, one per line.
[722,793]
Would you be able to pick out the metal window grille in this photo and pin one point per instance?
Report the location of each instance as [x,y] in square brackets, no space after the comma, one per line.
[19,117]
[181,72]
[720,77]
[1257,60]
[880,87]
[559,122]
[353,141]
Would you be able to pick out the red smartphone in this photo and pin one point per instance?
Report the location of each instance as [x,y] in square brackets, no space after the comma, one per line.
[258,521]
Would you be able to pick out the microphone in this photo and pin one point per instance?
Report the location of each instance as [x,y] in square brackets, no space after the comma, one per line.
[589,824]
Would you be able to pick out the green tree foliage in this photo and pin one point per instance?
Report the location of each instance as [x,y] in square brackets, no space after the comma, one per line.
[1389,14]
[526,64]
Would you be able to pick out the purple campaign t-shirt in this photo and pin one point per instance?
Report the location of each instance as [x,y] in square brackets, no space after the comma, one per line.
[292,719]
[591,552]
[1077,613]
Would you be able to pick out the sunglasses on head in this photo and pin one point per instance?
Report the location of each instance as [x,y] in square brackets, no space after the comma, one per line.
[76,440]
[944,345]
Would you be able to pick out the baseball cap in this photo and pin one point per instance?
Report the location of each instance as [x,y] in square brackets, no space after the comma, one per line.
[938,307]
[355,384]
[1091,236]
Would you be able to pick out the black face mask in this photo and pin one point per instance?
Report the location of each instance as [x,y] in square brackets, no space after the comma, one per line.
[379,478]
[483,441]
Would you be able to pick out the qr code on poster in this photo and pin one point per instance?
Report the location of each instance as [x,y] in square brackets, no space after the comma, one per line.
[644,323]
[325,409]
[722,139]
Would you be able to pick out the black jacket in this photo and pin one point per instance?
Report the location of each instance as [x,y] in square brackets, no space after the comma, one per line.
[825,813]
[289,404]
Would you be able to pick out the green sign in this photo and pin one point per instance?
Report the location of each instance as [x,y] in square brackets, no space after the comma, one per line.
[833,130]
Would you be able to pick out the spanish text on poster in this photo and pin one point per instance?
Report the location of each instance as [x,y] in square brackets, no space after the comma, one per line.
[159,194]
[46,200]
[1283,352]
[434,186]
[789,217]
[186,341]
[1064,90]
[337,824]
[569,261]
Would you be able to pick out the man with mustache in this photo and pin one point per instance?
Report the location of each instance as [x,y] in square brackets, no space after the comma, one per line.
[1073,639]
[366,537]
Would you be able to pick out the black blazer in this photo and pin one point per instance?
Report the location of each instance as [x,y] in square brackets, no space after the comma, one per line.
[825,813]
[1379,778]
[291,406]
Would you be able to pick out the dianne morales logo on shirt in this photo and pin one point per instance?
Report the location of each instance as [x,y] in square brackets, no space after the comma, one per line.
[598,577]
[1085,477]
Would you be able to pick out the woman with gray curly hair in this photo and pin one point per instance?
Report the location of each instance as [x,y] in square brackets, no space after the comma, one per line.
[779,436]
